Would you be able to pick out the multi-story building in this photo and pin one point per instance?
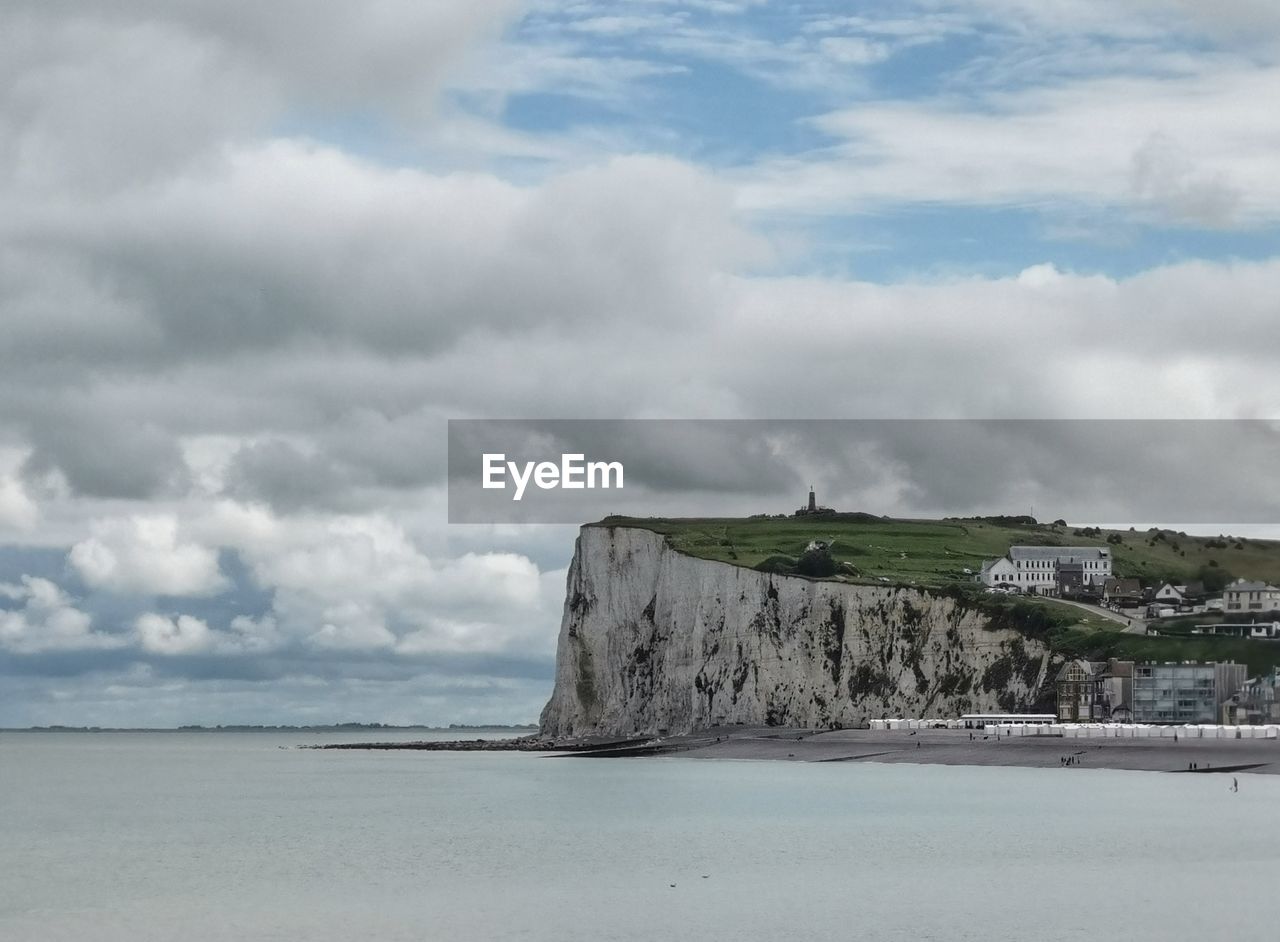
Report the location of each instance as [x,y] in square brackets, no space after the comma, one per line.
[1095,691]
[1035,569]
[1255,702]
[1183,693]
[1243,596]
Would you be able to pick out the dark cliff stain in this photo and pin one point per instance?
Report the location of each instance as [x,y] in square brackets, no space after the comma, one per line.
[998,674]
[585,683]
[866,681]
[707,688]
[739,679]
[834,649]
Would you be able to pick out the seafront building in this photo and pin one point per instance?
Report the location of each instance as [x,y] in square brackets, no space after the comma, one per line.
[1118,691]
[1095,691]
[1184,693]
[1255,702]
[1257,630]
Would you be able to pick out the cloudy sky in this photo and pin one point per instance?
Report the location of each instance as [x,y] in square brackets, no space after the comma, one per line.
[253,257]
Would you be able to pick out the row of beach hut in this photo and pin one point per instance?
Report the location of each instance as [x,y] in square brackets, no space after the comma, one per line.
[1143,731]
[1093,730]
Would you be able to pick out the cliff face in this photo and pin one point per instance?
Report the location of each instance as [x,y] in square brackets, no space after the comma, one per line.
[654,641]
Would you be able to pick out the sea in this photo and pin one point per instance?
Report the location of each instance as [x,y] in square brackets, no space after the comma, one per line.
[196,836]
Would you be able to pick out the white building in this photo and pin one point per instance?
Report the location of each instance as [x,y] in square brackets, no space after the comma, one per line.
[1035,568]
[1245,596]
[998,572]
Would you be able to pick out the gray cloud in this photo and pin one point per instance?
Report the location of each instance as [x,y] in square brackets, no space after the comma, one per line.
[99,96]
[114,458]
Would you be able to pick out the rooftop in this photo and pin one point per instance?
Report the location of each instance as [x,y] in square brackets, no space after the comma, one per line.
[1243,585]
[1069,553]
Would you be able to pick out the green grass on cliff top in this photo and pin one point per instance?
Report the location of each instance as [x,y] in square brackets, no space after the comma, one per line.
[936,552]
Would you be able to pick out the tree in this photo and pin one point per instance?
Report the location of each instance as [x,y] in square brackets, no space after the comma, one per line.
[1214,577]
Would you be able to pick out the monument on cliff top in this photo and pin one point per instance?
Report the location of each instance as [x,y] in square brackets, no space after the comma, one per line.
[813,508]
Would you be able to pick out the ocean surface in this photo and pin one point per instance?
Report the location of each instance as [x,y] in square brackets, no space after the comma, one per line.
[235,836]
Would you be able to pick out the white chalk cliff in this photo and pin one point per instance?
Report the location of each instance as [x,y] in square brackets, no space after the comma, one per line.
[654,641]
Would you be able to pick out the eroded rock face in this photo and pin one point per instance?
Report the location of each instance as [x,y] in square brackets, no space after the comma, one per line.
[653,641]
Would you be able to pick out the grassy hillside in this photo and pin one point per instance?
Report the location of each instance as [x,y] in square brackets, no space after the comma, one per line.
[936,552]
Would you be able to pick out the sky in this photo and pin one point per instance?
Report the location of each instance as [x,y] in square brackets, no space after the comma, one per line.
[253,257]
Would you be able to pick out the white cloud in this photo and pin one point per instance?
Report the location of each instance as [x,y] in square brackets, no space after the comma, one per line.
[854,50]
[47,621]
[1168,180]
[160,634]
[17,510]
[146,555]
[1199,148]
[359,583]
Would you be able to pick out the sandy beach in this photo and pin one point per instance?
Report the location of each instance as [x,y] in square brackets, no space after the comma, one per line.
[954,747]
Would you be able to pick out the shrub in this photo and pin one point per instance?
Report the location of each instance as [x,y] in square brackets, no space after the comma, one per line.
[817,562]
[782,565]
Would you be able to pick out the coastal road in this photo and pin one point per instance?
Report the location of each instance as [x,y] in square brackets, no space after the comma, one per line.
[1134,626]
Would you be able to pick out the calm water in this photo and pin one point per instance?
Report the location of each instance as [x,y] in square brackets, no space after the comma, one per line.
[142,836]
